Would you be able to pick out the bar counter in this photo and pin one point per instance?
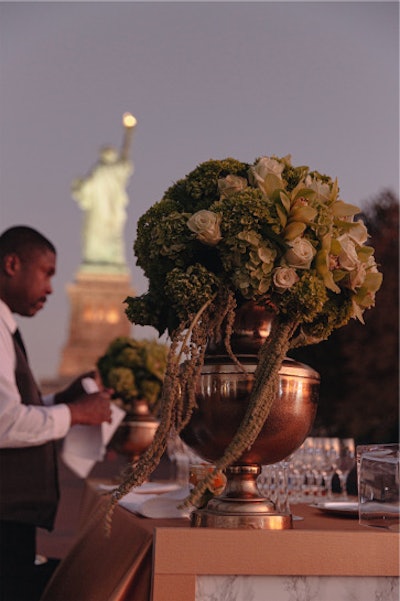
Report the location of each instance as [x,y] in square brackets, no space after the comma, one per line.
[164,559]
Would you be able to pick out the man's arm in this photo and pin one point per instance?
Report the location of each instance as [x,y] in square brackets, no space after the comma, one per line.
[24,425]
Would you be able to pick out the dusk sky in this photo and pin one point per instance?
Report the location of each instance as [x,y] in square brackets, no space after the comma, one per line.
[317,80]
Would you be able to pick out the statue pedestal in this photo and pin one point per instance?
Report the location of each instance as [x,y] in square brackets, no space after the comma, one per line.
[97,316]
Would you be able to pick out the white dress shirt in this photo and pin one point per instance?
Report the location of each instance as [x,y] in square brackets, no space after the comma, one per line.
[24,425]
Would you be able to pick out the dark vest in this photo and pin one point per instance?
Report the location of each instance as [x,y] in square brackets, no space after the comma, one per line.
[28,475]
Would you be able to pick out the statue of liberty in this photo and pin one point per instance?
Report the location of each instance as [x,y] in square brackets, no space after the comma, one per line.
[103,198]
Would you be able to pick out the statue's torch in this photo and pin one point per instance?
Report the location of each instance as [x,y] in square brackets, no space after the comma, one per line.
[129,123]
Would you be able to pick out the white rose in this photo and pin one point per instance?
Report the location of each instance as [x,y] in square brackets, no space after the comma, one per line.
[300,253]
[357,276]
[230,184]
[205,224]
[266,166]
[322,189]
[284,278]
[348,259]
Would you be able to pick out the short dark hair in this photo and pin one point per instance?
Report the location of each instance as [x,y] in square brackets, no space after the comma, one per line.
[22,240]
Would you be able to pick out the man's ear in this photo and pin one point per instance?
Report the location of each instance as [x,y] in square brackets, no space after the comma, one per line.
[12,264]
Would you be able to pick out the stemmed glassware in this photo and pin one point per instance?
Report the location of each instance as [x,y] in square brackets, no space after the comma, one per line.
[344,463]
[309,471]
[181,456]
[273,482]
[325,457]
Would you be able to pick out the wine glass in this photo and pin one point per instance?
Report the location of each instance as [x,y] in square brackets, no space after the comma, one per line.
[273,482]
[344,463]
[325,459]
[181,456]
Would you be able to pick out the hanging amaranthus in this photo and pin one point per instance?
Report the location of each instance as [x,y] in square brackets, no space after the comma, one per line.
[178,395]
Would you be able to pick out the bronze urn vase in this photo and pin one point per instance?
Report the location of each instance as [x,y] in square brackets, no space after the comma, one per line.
[222,394]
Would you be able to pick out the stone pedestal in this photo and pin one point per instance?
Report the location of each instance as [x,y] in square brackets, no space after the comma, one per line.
[97,316]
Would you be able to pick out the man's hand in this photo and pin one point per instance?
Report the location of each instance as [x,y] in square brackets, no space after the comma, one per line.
[74,390]
[91,409]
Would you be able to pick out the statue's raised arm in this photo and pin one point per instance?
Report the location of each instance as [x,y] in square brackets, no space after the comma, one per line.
[129,122]
[103,198]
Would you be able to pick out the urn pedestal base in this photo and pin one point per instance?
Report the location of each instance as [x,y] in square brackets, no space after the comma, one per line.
[205,518]
[241,505]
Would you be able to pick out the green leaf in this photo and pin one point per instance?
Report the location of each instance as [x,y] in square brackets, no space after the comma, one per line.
[335,190]
[303,192]
[344,226]
[293,230]
[285,200]
[326,242]
[272,183]
[339,274]
[366,293]
[373,281]
[336,248]
[342,209]
[364,253]
[282,215]
[304,214]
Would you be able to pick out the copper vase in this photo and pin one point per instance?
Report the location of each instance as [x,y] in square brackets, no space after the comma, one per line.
[136,432]
[222,395]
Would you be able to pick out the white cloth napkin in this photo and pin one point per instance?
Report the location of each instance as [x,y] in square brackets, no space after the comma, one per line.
[85,445]
[157,505]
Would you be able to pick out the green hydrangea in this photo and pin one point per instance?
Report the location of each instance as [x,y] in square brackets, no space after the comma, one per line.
[134,369]
[306,298]
[122,380]
[293,175]
[336,313]
[188,290]
[143,310]
[199,189]
[163,240]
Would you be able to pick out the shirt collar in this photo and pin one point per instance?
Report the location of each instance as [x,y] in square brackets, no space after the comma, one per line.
[7,317]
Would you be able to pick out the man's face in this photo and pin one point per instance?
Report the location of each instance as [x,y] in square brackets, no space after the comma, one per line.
[31,282]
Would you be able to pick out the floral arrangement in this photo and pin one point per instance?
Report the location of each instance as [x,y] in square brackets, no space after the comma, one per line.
[231,232]
[134,369]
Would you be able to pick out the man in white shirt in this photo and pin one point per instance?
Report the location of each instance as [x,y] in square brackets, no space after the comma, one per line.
[29,423]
